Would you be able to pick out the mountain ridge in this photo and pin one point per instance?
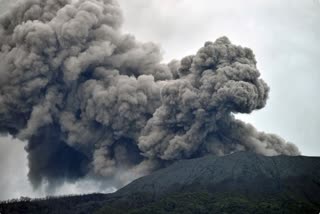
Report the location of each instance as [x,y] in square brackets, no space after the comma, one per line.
[212,170]
[242,182]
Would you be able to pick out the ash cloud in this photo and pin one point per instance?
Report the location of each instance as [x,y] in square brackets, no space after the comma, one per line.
[92,101]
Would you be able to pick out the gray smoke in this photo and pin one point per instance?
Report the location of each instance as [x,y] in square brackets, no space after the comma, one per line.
[91,100]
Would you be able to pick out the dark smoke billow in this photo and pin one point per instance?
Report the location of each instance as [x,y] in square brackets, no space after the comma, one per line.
[93,101]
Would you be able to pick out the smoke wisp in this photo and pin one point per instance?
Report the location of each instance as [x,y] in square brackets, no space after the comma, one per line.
[92,101]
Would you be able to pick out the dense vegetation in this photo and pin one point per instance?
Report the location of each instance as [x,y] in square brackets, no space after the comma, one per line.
[205,203]
[81,204]
[186,203]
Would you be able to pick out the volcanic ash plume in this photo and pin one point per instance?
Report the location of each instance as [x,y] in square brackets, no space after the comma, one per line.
[90,100]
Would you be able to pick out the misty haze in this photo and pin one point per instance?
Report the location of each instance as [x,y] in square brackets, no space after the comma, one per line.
[164,106]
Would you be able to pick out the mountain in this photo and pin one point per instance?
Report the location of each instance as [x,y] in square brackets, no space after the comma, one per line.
[242,182]
[243,172]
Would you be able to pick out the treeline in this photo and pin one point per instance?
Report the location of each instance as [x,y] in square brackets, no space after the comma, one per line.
[28,199]
[68,204]
[175,203]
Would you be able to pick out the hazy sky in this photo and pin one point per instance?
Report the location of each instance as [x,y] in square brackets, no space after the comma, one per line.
[284,35]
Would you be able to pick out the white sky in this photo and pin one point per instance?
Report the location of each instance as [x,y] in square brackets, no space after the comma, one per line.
[284,35]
